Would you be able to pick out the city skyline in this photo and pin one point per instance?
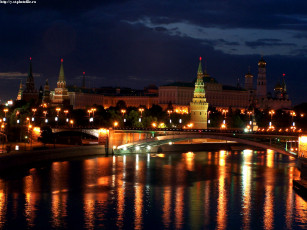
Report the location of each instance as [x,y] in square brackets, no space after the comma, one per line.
[134,44]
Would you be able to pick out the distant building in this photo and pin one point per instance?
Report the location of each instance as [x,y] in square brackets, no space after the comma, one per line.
[30,93]
[220,96]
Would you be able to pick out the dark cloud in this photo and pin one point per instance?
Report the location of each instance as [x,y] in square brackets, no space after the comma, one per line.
[268,43]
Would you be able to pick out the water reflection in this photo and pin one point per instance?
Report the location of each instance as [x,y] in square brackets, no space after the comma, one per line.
[215,190]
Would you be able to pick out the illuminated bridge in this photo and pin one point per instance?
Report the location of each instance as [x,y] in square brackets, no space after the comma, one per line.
[124,140]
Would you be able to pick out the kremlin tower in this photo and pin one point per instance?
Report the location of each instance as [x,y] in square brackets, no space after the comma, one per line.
[30,93]
[61,92]
[199,106]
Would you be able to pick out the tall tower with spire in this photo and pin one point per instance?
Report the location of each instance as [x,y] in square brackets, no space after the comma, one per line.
[61,92]
[30,92]
[19,96]
[199,105]
[261,80]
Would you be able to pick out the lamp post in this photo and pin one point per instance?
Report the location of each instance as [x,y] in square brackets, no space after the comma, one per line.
[45,113]
[34,111]
[169,115]
[72,123]
[66,112]
[5,111]
[141,110]
[123,111]
[224,111]
[271,112]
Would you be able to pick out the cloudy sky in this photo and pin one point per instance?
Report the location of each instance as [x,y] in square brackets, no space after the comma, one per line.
[140,42]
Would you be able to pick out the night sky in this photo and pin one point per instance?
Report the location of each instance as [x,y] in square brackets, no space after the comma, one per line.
[141,42]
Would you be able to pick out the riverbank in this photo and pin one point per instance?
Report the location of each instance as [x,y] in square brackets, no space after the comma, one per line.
[17,159]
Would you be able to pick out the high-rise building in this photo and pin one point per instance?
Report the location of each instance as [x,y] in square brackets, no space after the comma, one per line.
[60,92]
[199,106]
[30,93]
[261,80]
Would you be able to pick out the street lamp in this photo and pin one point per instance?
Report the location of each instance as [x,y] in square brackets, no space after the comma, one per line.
[5,111]
[93,111]
[169,115]
[72,123]
[66,112]
[141,110]
[224,111]
[34,111]
[115,124]
[45,113]
[271,112]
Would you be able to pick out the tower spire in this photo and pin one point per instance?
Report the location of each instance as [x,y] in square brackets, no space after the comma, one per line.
[61,74]
[83,80]
[200,69]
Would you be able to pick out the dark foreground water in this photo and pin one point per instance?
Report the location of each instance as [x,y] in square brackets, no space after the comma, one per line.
[204,190]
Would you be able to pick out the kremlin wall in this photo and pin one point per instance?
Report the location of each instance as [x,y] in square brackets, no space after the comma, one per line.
[179,94]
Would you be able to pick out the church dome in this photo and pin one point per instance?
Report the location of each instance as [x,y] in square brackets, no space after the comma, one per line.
[261,62]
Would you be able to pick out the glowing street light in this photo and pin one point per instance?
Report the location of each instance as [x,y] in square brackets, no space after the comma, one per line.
[93,111]
[141,110]
[72,123]
[5,111]
[58,110]
[115,124]
[154,124]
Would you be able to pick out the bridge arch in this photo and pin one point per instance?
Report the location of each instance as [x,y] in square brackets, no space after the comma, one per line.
[161,140]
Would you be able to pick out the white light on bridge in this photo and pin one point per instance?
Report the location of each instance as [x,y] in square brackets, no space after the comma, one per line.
[148,147]
[67,120]
[180,120]
[137,148]
[91,119]
[56,118]
[140,119]
[124,119]
[33,119]
[46,120]
[209,121]
[18,121]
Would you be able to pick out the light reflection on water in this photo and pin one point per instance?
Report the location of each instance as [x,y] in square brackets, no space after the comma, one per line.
[215,190]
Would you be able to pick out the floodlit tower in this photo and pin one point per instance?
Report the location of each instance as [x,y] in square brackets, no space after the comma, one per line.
[199,106]
[61,92]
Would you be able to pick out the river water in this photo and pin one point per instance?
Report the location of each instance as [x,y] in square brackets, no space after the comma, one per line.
[202,190]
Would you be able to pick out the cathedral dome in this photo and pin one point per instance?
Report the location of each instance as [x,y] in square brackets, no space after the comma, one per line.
[261,62]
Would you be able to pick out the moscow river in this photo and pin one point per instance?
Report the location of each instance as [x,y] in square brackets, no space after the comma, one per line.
[202,190]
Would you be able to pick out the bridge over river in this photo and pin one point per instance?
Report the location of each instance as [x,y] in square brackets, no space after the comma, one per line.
[124,140]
